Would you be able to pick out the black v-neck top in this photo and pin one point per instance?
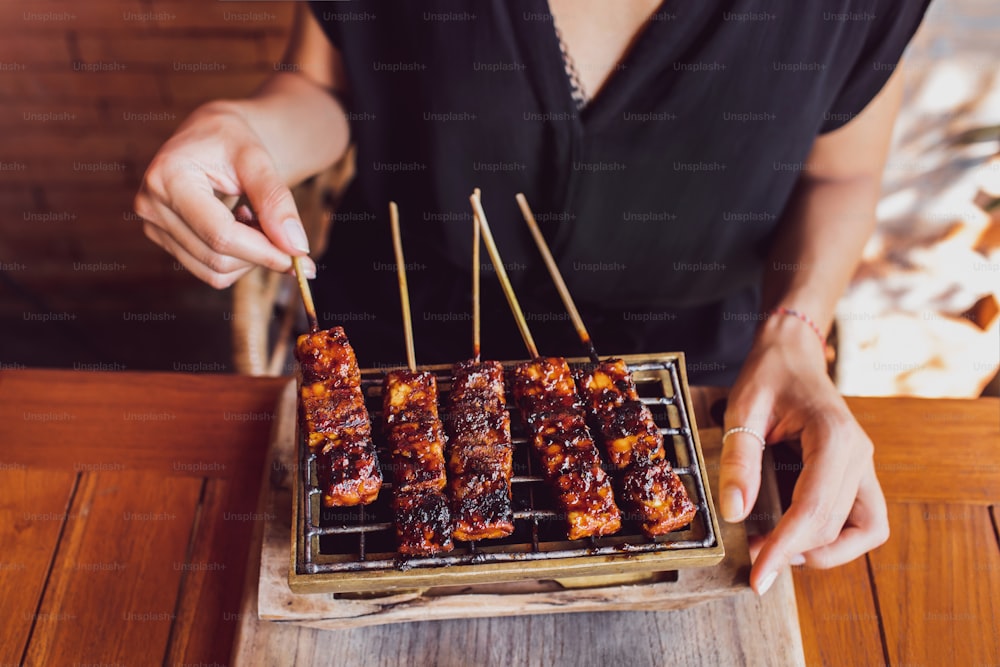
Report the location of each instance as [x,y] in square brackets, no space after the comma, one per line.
[659,198]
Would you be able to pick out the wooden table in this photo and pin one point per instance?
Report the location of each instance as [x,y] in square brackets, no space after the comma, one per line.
[127,506]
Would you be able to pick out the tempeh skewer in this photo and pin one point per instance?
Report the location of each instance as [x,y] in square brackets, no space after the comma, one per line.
[634,445]
[480,451]
[335,420]
[545,394]
[416,440]
[632,441]
[332,412]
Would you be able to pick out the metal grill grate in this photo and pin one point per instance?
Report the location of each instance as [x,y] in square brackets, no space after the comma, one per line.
[362,539]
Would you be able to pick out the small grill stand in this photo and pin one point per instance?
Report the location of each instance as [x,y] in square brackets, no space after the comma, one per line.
[353,549]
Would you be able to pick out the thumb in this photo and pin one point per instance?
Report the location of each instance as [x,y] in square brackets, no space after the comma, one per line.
[271,200]
[739,475]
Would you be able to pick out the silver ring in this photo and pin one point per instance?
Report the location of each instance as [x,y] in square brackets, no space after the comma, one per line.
[748,431]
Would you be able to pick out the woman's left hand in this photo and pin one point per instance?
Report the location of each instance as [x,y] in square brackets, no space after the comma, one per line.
[838,511]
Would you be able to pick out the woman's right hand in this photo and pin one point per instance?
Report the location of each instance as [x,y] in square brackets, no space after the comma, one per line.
[217,153]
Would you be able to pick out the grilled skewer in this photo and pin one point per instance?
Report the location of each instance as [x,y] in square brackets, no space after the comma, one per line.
[416,440]
[634,445]
[334,417]
[480,451]
[332,409]
[545,394]
[632,441]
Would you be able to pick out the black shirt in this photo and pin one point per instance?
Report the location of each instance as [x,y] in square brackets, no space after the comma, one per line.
[659,198]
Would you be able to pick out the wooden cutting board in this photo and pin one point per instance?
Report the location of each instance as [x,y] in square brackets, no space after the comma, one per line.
[698,616]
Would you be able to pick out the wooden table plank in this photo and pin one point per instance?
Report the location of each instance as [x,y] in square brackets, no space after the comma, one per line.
[927,450]
[33,508]
[635,638]
[37,407]
[203,586]
[209,607]
[938,585]
[837,609]
[173,423]
[112,592]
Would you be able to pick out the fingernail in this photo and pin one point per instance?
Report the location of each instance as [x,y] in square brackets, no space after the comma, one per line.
[766,582]
[310,270]
[732,504]
[797,560]
[296,235]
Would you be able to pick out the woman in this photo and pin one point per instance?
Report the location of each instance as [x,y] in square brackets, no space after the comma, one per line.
[706,177]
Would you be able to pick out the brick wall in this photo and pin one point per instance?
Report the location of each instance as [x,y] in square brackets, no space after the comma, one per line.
[88,92]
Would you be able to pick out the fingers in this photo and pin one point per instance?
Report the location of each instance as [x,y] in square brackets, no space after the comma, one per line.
[248,246]
[196,208]
[821,502]
[173,226]
[739,475]
[184,217]
[271,200]
[867,527]
[214,278]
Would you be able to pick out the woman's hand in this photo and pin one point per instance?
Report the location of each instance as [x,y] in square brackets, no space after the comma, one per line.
[217,151]
[838,511]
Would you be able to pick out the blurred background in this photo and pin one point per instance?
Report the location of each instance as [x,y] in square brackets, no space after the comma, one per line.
[88,92]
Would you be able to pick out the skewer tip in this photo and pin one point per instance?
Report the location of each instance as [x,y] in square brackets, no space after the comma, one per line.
[404,292]
[501,272]
[476,326]
[307,299]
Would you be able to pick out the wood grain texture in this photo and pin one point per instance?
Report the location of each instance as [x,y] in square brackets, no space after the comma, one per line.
[112,593]
[210,596]
[33,508]
[927,450]
[172,423]
[938,585]
[837,609]
[735,631]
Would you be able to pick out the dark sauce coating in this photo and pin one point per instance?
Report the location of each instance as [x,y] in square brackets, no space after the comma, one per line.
[327,408]
[417,442]
[417,455]
[633,443]
[658,495]
[480,452]
[333,416]
[546,397]
[423,523]
[328,355]
[409,396]
[624,422]
[352,475]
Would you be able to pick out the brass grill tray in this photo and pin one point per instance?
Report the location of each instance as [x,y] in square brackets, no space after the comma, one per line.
[352,549]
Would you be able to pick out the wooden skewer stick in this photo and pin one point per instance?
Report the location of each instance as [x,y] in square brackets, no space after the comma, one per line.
[404,292]
[307,297]
[498,266]
[234,203]
[476,333]
[557,278]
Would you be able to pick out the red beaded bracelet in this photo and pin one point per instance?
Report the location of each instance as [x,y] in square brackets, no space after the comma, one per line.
[781,310]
